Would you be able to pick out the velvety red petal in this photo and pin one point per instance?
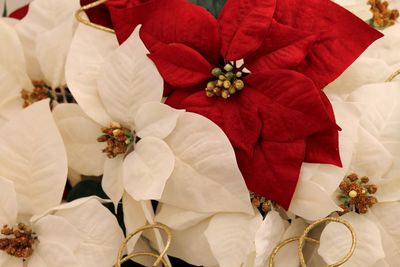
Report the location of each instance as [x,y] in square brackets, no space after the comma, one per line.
[99,14]
[273,170]
[341,38]
[243,25]
[323,147]
[181,66]
[238,117]
[293,108]
[168,21]
[20,13]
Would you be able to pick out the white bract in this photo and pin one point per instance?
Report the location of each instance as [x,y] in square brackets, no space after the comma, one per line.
[33,170]
[34,48]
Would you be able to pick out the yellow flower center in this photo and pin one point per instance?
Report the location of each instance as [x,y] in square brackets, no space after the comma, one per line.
[228,82]
[17,241]
[117,138]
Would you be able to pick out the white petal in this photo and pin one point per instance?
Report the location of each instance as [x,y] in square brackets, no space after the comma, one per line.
[336,241]
[147,169]
[388,190]
[48,228]
[12,261]
[206,173]
[51,51]
[112,181]
[128,79]
[54,255]
[99,230]
[156,119]
[80,137]
[133,218]
[11,52]
[179,219]
[231,237]
[385,216]
[191,245]
[42,16]
[312,201]
[87,54]
[8,202]
[34,158]
[370,158]
[268,236]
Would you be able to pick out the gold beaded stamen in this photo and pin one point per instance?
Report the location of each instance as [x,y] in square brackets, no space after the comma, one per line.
[382,16]
[18,241]
[118,139]
[356,194]
[228,82]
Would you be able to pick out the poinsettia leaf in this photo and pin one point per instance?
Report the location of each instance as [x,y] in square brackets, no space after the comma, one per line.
[224,230]
[130,70]
[8,202]
[335,242]
[385,215]
[293,19]
[205,162]
[34,158]
[99,230]
[243,25]
[35,23]
[88,51]
[180,65]
[169,27]
[112,181]
[156,119]
[11,42]
[147,168]
[80,135]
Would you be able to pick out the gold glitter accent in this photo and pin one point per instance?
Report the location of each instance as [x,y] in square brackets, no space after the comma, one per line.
[159,258]
[228,82]
[118,139]
[19,241]
[382,16]
[304,238]
[87,22]
[356,194]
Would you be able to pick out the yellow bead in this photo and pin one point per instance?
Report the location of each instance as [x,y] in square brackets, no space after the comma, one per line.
[352,194]
[227,84]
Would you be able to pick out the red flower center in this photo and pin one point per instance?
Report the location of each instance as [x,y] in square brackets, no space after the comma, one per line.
[228,82]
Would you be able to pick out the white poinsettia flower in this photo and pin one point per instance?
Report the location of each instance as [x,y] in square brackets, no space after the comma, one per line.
[33,52]
[111,83]
[36,230]
[376,160]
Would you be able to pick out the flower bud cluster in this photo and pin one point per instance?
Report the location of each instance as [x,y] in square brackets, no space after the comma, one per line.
[228,82]
[260,202]
[356,194]
[118,139]
[18,241]
[382,16]
[39,92]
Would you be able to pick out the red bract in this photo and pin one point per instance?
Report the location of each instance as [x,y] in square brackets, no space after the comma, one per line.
[293,49]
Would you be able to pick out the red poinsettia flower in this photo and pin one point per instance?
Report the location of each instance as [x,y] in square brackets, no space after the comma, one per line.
[280,117]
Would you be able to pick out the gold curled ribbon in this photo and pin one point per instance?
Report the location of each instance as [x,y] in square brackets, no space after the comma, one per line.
[304,238]
[88,22]
[159,258]
[393,76]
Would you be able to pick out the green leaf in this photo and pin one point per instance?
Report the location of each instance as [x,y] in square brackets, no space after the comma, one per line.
[5,9]
[214,6]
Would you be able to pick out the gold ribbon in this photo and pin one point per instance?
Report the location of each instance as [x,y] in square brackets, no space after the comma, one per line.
[86,21]
[159,257]
[393,76]
[301,239]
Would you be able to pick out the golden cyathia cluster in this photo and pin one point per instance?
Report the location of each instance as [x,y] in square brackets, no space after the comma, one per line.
[382,16]
[39,92]
[228,83]
[356,194]
[118,139]
[18,241]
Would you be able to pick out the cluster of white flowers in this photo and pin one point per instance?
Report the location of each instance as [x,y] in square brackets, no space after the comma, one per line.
[180,159]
